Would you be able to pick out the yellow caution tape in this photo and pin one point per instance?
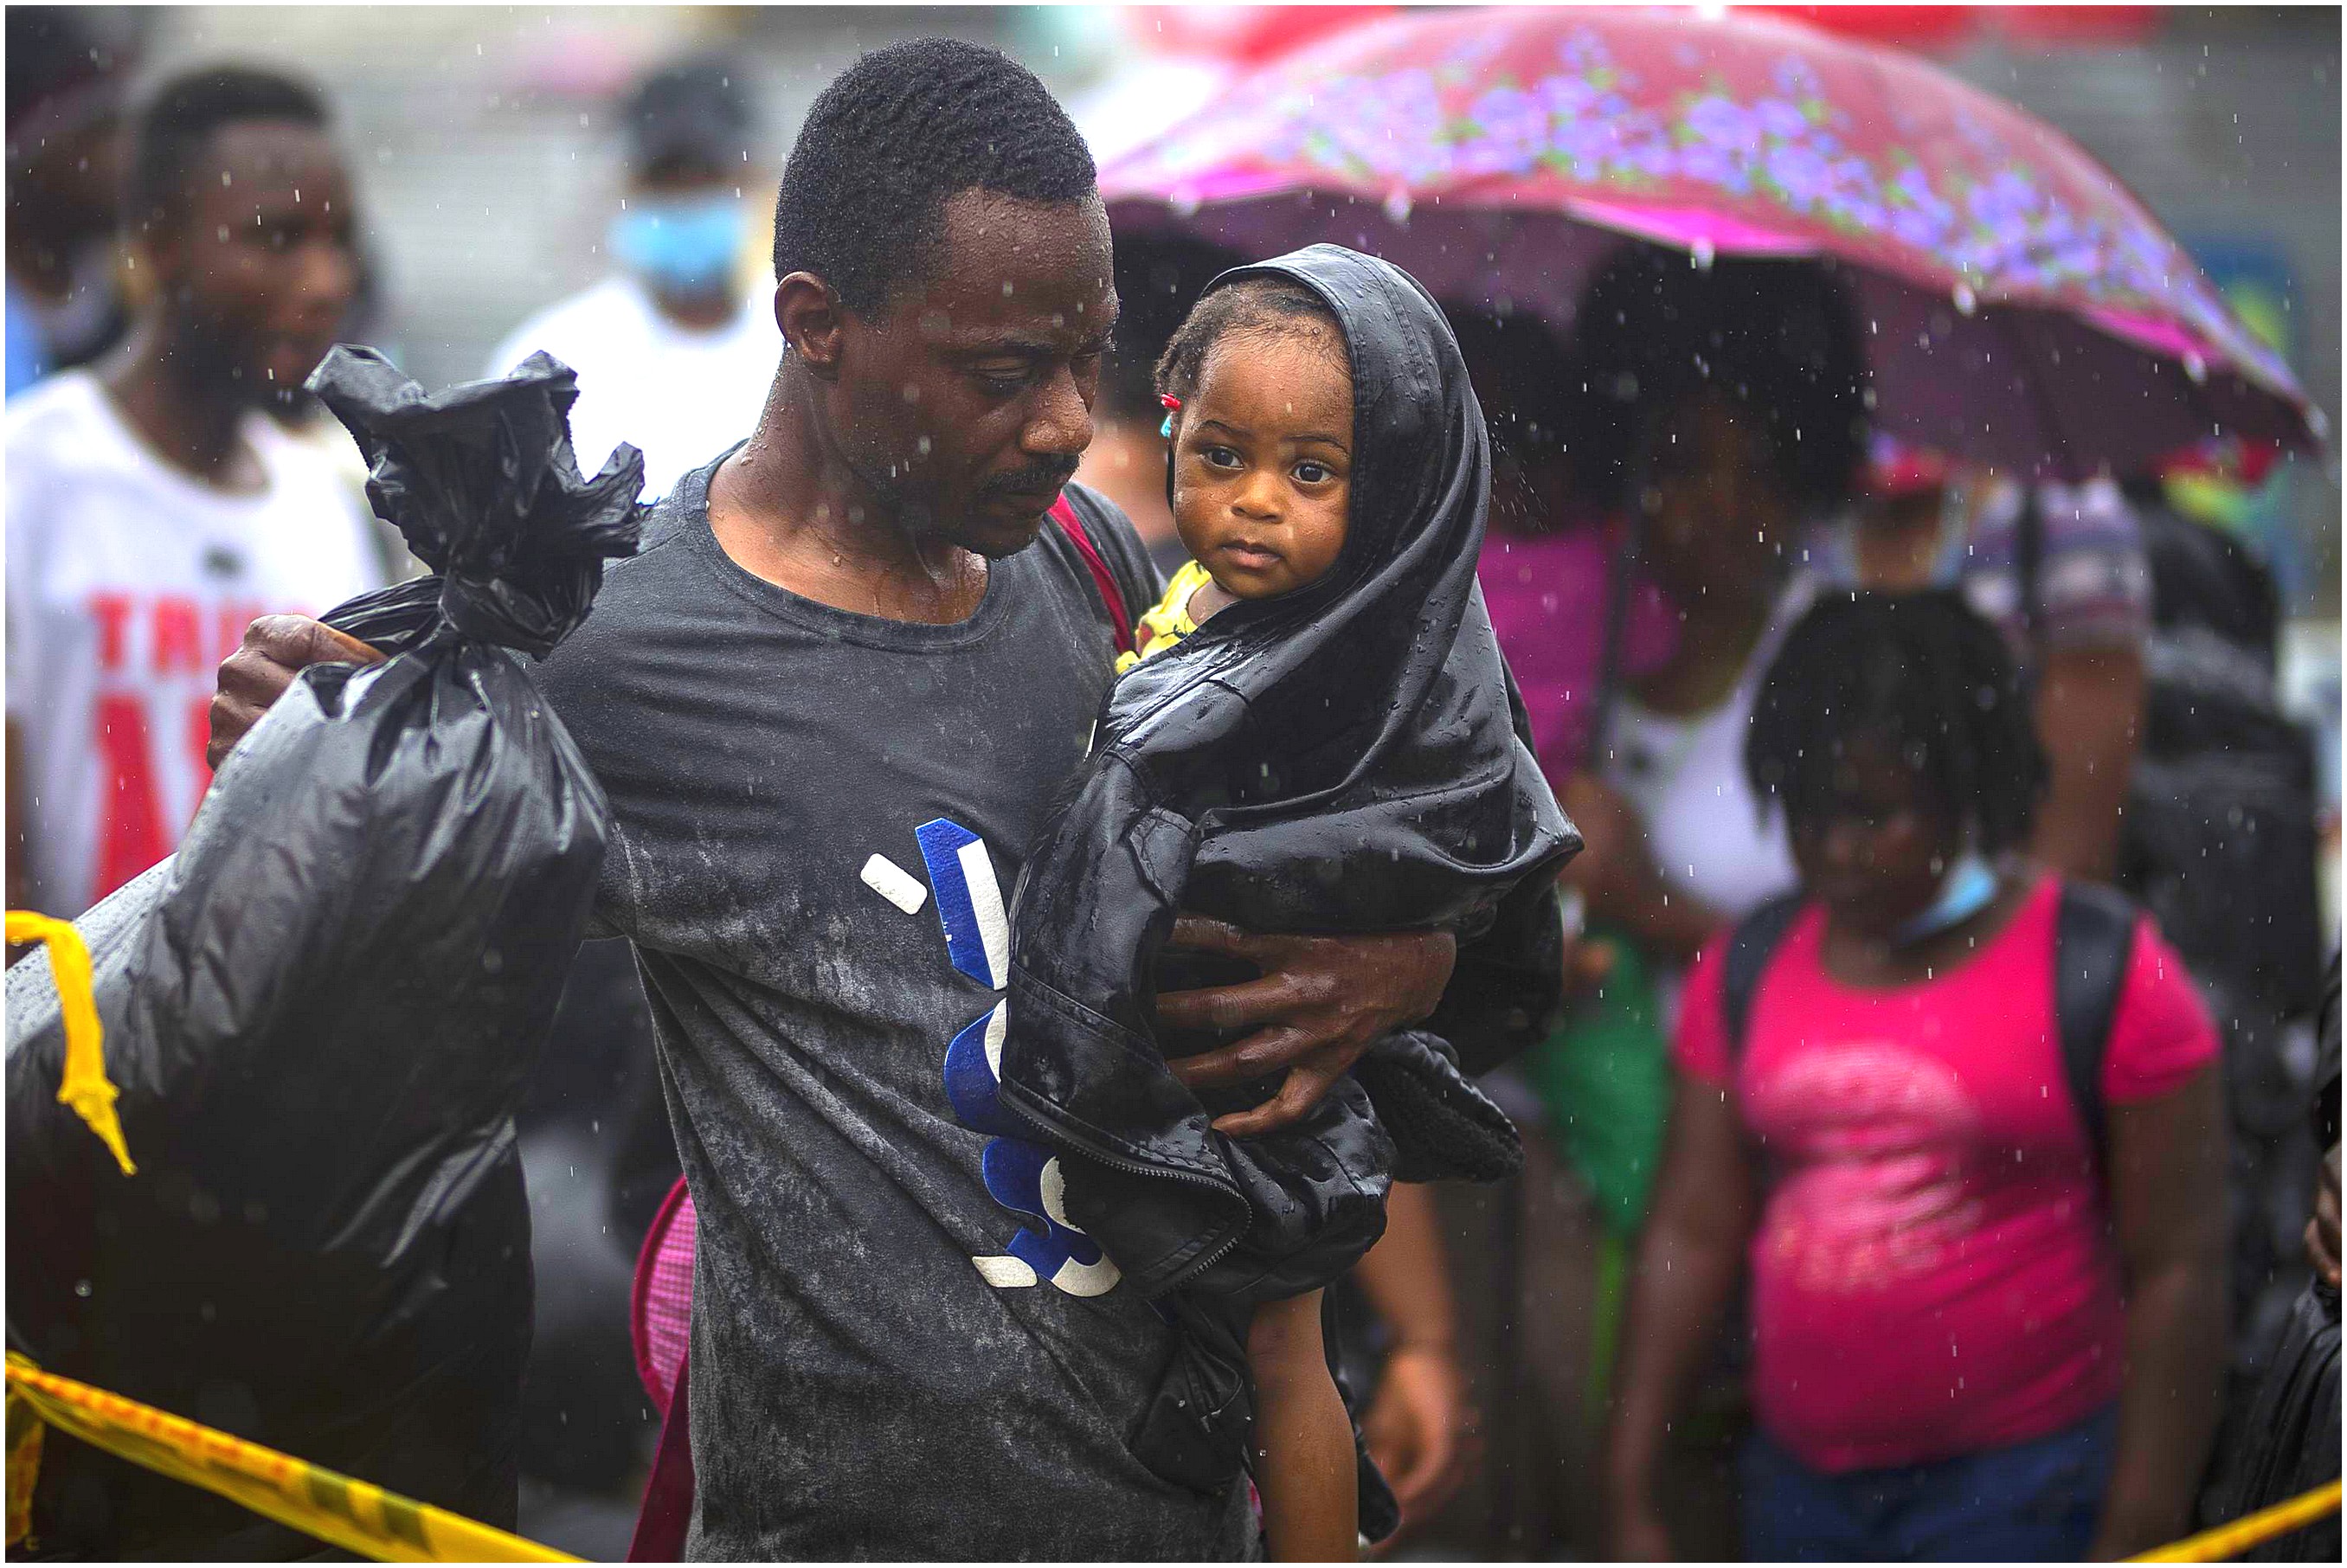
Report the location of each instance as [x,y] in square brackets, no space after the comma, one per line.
[335,1508]
[83,1087]
[25,1430]
[2228,1541]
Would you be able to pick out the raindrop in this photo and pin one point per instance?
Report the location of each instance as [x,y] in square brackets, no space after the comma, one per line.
[1704,255]
[1966,301]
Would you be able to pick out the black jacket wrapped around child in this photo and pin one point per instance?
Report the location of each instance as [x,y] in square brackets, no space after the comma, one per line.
[1349,757]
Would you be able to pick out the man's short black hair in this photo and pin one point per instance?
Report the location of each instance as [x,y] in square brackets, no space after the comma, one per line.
[181,117]
[1920,676]
[893,139]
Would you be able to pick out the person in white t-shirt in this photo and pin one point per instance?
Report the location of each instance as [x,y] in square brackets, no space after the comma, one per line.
[153,509]
[670,356]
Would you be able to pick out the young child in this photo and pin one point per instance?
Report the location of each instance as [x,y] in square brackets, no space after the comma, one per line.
[1315,732]
[1260,477]
[1986,1245]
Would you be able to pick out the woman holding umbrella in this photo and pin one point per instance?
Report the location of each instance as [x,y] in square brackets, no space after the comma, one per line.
[1726,414]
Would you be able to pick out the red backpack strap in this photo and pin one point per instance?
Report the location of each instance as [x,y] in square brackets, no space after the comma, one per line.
[664,1518]
[1063,512]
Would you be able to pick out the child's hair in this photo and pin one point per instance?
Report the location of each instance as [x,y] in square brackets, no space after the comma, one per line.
[1269,305]
[1922,676]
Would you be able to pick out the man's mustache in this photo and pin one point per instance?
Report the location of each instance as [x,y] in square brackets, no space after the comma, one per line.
[1032,480]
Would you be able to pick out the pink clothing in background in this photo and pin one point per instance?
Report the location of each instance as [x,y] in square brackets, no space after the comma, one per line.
[1546,594]
[1932,1275]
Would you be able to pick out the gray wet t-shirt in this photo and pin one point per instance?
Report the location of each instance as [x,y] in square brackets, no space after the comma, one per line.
[818,818]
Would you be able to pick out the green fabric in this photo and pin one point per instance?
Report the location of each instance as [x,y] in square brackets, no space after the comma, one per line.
[1604,1078]
[1610,1291]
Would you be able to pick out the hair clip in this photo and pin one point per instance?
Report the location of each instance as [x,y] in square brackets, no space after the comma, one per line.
[1173,406]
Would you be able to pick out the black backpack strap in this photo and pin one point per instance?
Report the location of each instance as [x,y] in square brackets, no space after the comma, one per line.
[2094,936]
[2029,568]
[1751,948]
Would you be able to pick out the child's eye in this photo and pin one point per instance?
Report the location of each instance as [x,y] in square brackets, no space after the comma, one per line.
[1001,383]
[1220,456]
[1311,472]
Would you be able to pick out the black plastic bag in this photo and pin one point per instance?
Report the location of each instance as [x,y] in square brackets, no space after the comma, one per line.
[321,1012]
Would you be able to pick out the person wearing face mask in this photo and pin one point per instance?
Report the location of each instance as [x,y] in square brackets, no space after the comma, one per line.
[672,356]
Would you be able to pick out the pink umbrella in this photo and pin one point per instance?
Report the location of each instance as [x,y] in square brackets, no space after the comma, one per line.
[2022,308]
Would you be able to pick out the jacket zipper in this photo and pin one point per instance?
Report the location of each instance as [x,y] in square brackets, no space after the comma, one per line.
[1014,1097]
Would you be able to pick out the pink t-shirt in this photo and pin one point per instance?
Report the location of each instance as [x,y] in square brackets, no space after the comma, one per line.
[1546,594]
[1932,1275]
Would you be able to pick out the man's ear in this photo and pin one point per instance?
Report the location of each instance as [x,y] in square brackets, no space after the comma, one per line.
[154,257]
[812,319]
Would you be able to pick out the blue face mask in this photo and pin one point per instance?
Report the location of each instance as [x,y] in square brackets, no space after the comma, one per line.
[1963,893]
[681,244]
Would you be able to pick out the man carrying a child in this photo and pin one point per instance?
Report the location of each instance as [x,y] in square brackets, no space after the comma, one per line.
[850,645]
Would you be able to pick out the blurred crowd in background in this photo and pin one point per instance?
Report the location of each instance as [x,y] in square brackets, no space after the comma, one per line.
[598,183]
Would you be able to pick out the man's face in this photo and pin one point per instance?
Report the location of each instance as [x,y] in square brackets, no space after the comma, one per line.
[257,265]
[967,400]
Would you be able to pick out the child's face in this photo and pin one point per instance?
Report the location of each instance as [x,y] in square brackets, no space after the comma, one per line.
[1875,855]
[1264,458]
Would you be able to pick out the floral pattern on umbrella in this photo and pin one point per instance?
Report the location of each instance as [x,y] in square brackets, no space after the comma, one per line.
[1816,143]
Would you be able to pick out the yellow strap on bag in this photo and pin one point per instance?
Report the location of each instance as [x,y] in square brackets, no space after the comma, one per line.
[83,1087]
[336,1508]
[2230,1540]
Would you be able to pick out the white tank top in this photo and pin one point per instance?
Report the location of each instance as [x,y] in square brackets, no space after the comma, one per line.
[1686,776]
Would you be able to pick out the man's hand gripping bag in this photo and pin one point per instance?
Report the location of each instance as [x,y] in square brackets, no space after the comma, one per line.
[322,1011]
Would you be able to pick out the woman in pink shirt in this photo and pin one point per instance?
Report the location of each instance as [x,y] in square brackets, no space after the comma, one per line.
[1980,1331]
